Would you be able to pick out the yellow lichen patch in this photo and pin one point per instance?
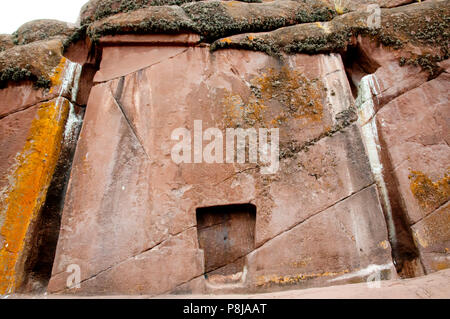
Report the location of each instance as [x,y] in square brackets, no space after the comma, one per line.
[442,265]
[384,244]
[56,77]
[339,6]
[231,3]
[23,199]
[299,96]
[293,279]
[429,194]
[292,95]
[301,263]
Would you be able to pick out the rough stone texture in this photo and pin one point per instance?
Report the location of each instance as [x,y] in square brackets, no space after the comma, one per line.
[39,30]
[362,4]
[97,9]
[350,236]
[148,20]
[6,42]
[211,19]
[117,61]
[391,78]
[414,128]
[39,62]
[362,188]
[433,286]
[21,95]
[126,175]
[418,29]
[433,237]
[143,189]
[32,158]
[35,126]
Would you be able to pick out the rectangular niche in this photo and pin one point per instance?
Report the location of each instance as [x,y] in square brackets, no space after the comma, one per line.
[226,234]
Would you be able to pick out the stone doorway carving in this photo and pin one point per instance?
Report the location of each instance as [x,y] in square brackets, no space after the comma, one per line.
[226,234]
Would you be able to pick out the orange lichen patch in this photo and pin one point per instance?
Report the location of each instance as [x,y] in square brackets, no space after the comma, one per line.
[293,279]
[22,201]
[429,194]
[226,40]
[300,96]
[442,265]
[293,95]
[231,3]
[384,244]
[56,77]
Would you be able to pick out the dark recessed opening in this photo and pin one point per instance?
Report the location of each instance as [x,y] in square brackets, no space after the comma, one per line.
[226,234]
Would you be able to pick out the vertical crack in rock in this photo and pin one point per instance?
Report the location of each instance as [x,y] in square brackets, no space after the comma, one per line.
[404,251]
[116,98]
[45,233]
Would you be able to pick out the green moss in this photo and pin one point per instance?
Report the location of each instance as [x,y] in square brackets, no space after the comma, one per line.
[325,43]
[16,74]
[428,30]
[427,62]
[316,14]
[343,120]
[39,30]
[106,8]
[212,20]
[257,44]
[42,82]
[144,27]
[77,35]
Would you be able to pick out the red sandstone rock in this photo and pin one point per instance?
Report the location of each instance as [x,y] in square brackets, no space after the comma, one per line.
[432,235]
[414,128]
[333,245]
[132,218]
[180,88]
[415,131]
[391,79]
[6,42]
[44,29]
[42,59]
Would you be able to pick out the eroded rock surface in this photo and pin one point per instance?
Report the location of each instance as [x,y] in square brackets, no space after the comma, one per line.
[38,131]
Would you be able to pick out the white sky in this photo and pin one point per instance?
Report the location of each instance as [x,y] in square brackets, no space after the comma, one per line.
[14,13]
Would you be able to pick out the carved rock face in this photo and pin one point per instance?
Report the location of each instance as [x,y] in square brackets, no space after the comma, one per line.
[138,203]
